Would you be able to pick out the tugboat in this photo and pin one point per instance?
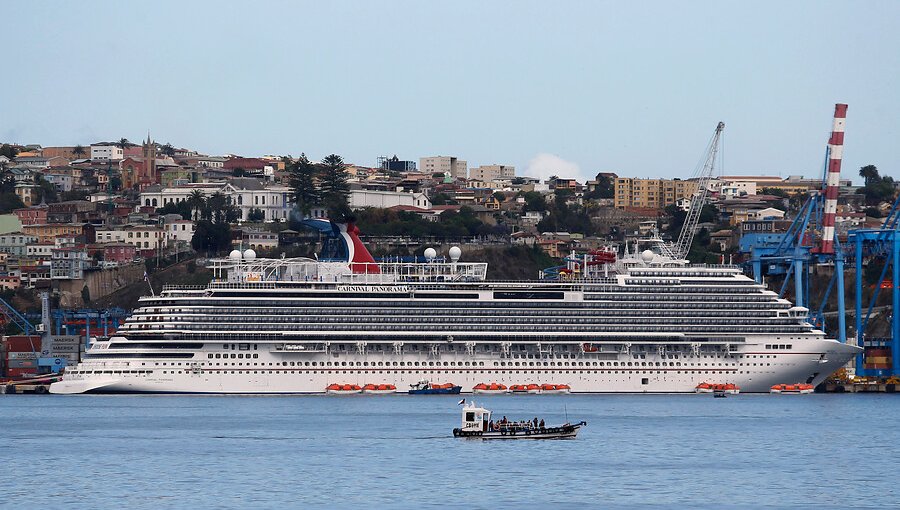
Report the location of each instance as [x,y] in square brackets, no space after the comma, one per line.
[477,424]
[424,387]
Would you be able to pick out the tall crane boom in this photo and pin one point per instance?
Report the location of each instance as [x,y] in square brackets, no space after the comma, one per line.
[683,245]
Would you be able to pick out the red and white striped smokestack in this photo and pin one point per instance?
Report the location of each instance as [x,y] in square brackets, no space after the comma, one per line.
[833,177]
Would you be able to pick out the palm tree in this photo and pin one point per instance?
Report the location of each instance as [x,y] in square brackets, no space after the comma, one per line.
[217,204]
[196,200]
[869,173]
[78,151]
[123,144]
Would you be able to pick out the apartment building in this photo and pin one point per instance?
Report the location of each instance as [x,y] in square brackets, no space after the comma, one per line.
[447,165]
[492,172]
[654,193]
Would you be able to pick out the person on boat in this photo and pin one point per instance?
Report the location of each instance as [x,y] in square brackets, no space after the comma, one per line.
[491,425]
[535,422]
[542,423]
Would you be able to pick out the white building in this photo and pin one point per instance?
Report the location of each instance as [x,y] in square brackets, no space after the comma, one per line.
[245,193]
[179,231]
[106,152]
[383,199]
[732,189]
[447,165]
[16,243]
[68,263]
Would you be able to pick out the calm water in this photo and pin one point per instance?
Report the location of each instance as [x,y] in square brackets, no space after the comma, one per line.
[816,451]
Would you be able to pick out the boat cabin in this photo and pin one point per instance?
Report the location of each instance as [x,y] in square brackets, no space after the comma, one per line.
[474,418]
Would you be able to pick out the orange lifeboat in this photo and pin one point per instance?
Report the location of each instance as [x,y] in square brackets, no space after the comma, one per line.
[518,388]
[555,388]
[343,389]
[792,389]
[588,348]
[379,389]
[489,389]
[533,388]
[729,388]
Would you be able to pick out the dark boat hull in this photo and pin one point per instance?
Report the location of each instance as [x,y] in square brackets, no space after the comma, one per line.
[568,431]
[437,391]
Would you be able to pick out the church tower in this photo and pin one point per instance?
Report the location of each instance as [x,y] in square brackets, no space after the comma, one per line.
[149,153]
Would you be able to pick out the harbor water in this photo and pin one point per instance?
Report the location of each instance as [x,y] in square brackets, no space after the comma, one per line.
[676,451]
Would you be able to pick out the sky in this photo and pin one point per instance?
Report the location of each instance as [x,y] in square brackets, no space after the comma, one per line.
[566,88]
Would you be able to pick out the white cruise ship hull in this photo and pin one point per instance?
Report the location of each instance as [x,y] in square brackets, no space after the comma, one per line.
[755,369]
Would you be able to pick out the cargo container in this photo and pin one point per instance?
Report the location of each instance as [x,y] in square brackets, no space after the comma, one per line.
[21,363]
[23,343]
[21,355]
[20,372]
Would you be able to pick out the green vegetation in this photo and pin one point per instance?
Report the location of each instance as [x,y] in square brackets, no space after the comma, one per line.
[384,222]
[256,215]
[605,188]
[8,150]
[302,181]
[877,189]
[9,201]
[562,216]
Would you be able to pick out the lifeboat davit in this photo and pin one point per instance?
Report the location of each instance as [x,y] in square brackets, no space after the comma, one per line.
[343,389]
[489,389]
[552,389]
[792,389]
[379,389]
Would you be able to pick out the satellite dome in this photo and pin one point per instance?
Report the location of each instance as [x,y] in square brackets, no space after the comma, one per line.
[430,253]
[249,254]
[455,253]
[235,255]
[647,256]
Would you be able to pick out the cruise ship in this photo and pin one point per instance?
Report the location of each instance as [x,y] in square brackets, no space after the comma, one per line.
[637,323]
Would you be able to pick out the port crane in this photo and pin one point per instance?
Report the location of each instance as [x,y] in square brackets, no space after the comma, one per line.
[810,239]
[704,174]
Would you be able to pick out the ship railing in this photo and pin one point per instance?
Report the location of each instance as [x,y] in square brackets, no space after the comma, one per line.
[171,286]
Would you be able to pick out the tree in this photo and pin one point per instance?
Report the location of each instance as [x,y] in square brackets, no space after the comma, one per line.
[196,201]
[46,191]
[605,188]
[775,192]
[167,149]
[79,151]
[500,196]
[123,144]
[211,237]
[302,180]
[256,215]
[8,150]
[334,191]
[238,172]
[534,201]
[9,202]
[869,173]
[86,295]
[442,199]
[216,205]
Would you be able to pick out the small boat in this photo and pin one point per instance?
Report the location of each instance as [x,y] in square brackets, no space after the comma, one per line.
[555,389]
[719,394]
[379,389]
[489,389]
[477,424]
[792,389]
[343,389]
[725,388]
[424,387]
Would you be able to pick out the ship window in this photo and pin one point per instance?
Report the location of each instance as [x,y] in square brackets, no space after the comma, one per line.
[210,355]
[233,355]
